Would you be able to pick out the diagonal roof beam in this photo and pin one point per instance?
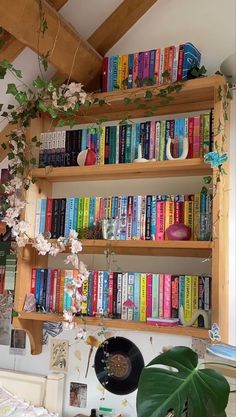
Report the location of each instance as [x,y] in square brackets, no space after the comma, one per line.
[13,47]
[118,23]
[69,53]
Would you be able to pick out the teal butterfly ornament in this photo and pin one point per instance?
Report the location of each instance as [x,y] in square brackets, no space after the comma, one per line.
[214,333]
[215,159]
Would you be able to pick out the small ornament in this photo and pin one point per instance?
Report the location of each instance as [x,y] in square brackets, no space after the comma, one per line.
[214,333]
[184,153]
[140,158]
[215,159]
[87,157]
[178,231]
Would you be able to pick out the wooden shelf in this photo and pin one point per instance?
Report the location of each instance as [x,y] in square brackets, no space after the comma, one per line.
[189,248]
[195,95]
[151,169]
[28,321]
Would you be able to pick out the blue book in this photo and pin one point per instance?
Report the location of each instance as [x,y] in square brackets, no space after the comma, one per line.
[39,272]
[48,289]
[134,232]
[42,215]
[70,215]
[114,72]
[90,294]
[181,135]
[181,290]
[92,211]
[130,70]
[192,58]
[41,286]
[137,141]
[105,292]
[84,140]
[153,217]
[223,351]
[110,80]
[152,59]
[75,218]
[128,143]
[67,229]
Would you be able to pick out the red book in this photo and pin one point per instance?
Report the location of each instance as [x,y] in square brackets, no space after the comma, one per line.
[135,69]
[175,296]
[157,66]
[180,63]
[190,136]
[149,295]
[146,60]
[48,220]
[33,280]
[167,296]
[104,73]
[110,294]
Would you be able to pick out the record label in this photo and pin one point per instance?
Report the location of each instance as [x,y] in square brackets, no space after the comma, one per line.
[118,364]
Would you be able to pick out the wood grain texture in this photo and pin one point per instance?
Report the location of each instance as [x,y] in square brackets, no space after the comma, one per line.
[13,47]
[118,23]
[80,60]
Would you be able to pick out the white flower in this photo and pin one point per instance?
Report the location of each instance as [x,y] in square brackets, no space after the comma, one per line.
[82,97]
[73,259]
[75,246]
[12,213]
[41,244]
[73,234]
[75,87]
[10,221]
[22,240]
[82,267]
[68,315]
[54,250]
[16,182]
[21,227]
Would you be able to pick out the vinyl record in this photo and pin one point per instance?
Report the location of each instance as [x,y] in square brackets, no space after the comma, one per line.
[118,364]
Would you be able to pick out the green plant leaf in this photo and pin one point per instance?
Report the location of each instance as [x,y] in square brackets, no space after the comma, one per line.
[161,390]
[2,72]
[11,89]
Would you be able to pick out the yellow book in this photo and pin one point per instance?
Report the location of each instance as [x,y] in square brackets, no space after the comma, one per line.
[195,297]
[102,146]
[196,212]
[188,298]
[85,294]
[188,212]
[124,71]
[169,213]
[143,303]
[86,212]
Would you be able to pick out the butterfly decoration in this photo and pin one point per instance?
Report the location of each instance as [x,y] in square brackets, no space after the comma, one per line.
[214,333]
[129,303]
[215,159]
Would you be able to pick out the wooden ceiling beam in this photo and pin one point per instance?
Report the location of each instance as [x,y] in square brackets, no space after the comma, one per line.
[13,47]
[118,23]
[68,52]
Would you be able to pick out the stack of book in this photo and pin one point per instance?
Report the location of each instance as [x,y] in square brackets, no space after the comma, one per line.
[119,144]
[140,217]
[156,66]
[145,297]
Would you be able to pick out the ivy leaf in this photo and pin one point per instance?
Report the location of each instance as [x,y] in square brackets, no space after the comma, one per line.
[4,114]
[165,74]
[39,83]
[10,106]
[4,146]
[6,64]
[2,72]
[53,112]
[21,97]
[127,100]
[207,180]
[11,89]
[17,72]
[42,106]
[34,139]
[148,94]
[101,102]
[61,123]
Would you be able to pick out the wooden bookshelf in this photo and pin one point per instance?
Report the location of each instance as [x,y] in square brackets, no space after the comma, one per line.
[196,95]
[29,320]
[151,169]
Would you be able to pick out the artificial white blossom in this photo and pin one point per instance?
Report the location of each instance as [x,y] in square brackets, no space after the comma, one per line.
[22,240]
[76,246]
[73,234]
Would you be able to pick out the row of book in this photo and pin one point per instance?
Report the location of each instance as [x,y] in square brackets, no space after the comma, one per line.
[7,269]
[156,66]
[119,144]
[145,297]
[139,217]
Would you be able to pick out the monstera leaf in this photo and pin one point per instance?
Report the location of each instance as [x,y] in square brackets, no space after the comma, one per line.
[161,390]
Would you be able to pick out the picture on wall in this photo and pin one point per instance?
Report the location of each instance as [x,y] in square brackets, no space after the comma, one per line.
[59,355]
[78,395]
[18,341]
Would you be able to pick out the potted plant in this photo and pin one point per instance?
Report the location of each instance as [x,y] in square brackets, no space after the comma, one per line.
[165,391]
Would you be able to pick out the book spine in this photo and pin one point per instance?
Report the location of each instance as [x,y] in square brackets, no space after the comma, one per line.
[146,67]
[42,216]
[157,140]
[149,295]
[119,295]
[105,292]
[175,64]
[195,297]
[104,73]
[86,212]
[102,147]
[153,217]
[148,217]
[188,298]
[129,217]
[155,296]
[196,137]
[123,217]
[95,293]
[111,288]
[174,296]
[167,296]
[162,141]
[189,212]
[130,295]
[100,293]
[143,303]
[181,290]
[124,296]
[114,85]
[160,222]
[161,296]
[130,70]
[157,66]
[128,144]
[140,69]
[143,217]
[135,71]
[124,71]
[180,63]
[152,57]
[33,281]
[62,216]
[136,296]
[169,213]
[90,294]
[190,137]
[80,217]
[84,304]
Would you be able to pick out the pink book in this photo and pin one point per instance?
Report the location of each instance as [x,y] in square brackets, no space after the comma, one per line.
[152,140]
[161,295]
[135,69]
[110,293]
[190,136]
[167,296]
[146,64]
[149,294]
[196,137]
[33,280]
[160,222]
[157,66]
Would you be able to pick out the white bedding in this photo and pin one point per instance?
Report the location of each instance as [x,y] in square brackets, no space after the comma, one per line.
[13,406]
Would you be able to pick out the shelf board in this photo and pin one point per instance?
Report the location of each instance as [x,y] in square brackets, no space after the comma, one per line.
[150,169]
[198,94]
[188,248]
[117,324]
